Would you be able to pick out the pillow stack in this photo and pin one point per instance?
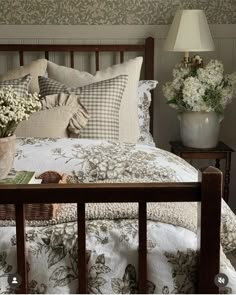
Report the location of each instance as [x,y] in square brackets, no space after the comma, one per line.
[106,105]
[128,113]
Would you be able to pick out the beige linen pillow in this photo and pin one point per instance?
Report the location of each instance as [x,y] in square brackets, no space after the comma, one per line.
[60,114]
[47,123]
[80,116]
[35,68]
[128,114]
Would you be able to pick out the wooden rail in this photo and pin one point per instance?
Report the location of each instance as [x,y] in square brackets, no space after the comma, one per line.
[208,193]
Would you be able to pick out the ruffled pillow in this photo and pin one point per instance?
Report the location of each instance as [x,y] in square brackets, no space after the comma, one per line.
[79,118]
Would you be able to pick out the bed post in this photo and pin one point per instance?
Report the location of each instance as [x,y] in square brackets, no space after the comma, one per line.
[209,231]
[21,247]
[149,72]
[81,248]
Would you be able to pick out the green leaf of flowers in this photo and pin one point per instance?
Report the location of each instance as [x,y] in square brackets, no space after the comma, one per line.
[172,101]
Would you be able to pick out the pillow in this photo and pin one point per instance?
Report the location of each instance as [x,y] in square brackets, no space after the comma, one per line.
[35,68]
[128,114]
[102,101]
[144,102]
[47,123]
[80,117]
[49,86]
[20,85]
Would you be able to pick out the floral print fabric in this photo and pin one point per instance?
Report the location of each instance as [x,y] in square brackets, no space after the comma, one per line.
[111,243]
[144,102]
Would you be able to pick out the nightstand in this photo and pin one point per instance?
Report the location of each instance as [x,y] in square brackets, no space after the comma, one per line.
[220,152]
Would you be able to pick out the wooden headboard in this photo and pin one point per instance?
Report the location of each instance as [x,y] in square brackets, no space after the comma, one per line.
[147,50]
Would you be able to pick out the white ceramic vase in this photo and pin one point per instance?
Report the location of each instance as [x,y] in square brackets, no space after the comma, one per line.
[200,129]
[7,154]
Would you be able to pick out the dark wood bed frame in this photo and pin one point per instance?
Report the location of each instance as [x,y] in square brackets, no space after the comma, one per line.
[208,192]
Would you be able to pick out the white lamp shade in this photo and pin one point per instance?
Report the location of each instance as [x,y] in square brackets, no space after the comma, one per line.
[189,32]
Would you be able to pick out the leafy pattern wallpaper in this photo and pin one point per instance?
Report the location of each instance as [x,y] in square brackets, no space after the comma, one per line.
[109,12]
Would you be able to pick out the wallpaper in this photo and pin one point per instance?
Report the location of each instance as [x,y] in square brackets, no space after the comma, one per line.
[110,12]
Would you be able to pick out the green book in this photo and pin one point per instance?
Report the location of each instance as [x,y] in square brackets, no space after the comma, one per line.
[19,177]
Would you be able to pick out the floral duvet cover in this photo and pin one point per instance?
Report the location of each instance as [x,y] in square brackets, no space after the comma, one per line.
[112,229]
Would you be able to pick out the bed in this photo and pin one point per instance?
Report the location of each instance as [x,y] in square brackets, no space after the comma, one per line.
[122,252]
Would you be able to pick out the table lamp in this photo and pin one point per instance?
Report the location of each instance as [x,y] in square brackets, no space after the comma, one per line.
[189,32]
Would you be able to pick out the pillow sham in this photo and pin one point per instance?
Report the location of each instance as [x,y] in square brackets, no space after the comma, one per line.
[144,102]
[102,101]
[47,123]
[128,114]
[20,85]
[35,68]
[49,86]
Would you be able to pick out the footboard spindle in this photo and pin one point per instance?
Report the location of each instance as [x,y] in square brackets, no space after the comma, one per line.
[142,253]
[21,247]
[81,248]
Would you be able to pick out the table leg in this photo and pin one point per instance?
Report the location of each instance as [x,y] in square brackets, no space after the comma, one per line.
[227,177]
[217,165]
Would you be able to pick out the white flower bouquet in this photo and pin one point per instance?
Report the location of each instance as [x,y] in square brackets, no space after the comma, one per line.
[15,108]
[200,89]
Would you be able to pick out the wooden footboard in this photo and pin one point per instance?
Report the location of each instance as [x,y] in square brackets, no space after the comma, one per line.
[208,193]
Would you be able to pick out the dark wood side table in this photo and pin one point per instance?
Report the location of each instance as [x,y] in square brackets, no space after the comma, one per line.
[221,151]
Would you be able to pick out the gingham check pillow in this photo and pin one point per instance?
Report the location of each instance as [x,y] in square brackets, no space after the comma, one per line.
[102,101]
[49,86]
[21,85]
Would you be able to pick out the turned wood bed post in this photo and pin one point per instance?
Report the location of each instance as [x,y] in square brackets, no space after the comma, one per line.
[149,73]
[209,230]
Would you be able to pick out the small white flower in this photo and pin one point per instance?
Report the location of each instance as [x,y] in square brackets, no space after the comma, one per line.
[15,108]
[169,91]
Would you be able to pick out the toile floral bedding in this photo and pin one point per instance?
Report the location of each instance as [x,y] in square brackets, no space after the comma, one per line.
[112,229]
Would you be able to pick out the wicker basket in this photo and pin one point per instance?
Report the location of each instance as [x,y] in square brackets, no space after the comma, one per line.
[32,211]
[39,211]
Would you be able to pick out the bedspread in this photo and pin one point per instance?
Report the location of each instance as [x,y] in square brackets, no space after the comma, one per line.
[112,229]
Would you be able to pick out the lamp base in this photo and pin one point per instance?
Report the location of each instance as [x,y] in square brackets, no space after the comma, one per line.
[196,61]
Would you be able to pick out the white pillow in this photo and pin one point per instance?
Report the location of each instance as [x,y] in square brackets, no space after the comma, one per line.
[128,116]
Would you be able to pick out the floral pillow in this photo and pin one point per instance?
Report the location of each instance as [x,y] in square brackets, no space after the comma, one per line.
[144,102]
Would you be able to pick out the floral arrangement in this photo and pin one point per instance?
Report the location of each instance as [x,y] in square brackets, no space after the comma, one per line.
[15,108]
[200,89]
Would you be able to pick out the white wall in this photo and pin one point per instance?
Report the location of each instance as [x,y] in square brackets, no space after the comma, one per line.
[166,125]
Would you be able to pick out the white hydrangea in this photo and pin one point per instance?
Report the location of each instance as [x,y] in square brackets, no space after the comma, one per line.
[169,91]
[212,74]
[193,92]
[178,84]
[200,89]
[231,79]
[180,72]
[227,95]
[15,108]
